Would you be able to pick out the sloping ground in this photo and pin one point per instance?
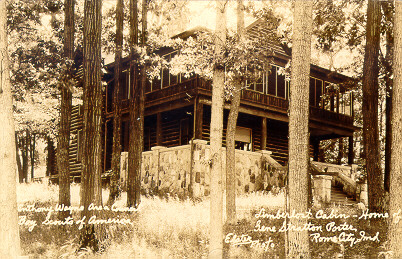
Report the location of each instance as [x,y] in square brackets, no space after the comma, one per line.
[339,197]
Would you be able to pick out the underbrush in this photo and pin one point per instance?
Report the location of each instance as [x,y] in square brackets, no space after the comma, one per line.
[172,227]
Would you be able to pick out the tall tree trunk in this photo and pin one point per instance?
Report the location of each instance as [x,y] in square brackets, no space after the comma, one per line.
[231,155]
[131,173]
[50,161]
[9,235]
[387,7]
[395,228]
[63,138]
[32,148]
[116,148]
[231,131]
[370,108]
[19,164]
[137,123]
[25,156]
[298,241]
[216,187]
[92,144]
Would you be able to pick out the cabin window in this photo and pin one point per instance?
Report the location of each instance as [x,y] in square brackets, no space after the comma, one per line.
[174,79]
[156,84]
[243,137]
[280,85]
[275,83]
[316,92]
[272,81]
[345,100]
[336,101]
[167,78]
[329,98]
[259,83]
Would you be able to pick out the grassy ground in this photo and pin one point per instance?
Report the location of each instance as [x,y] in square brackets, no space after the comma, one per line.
[173,228]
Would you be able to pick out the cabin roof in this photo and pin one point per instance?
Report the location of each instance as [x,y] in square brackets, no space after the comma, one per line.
[254,30]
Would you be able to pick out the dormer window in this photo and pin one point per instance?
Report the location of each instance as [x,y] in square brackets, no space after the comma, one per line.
[316,91]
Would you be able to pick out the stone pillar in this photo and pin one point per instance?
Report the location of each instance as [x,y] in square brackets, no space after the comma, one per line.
[353,171]
[200,173]
[361,193]
[266,180]
[322,188]
[155,169]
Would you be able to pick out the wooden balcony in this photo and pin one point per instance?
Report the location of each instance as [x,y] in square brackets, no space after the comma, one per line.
[197,86]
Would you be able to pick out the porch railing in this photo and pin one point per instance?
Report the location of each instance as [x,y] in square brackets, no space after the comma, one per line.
[197,85]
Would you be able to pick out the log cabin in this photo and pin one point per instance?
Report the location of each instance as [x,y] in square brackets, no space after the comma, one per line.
[178,110]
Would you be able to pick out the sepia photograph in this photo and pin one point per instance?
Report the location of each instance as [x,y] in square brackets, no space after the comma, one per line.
[201,129]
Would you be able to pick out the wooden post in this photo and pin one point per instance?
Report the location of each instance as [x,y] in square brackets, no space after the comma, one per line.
[316,148]
[340,153]
[352,113]
[337,101]
[159,129]
[351,154]
[264,134]
[198,114]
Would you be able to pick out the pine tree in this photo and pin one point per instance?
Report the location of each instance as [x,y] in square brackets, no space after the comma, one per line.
[394,228]
[9,235]
[134,152]
[231,130]
[65,110]
[92,99]
[116,148]
[298,242]
[370,109]
[216,186]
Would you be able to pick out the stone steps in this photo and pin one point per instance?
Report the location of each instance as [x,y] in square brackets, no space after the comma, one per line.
[339,197]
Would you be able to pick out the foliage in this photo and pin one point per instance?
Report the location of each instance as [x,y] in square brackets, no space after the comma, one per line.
[165,18]
[35,47]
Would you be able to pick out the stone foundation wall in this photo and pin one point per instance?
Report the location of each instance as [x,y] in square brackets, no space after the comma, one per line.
[322,188]
[185,169]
